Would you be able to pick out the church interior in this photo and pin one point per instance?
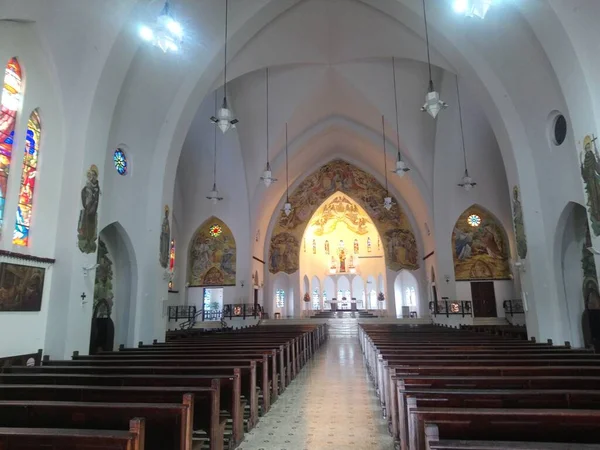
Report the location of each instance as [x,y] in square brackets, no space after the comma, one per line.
[322,223]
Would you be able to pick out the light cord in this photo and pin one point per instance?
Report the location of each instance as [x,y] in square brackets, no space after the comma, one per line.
[287,179]
[215,150]
[462,134]
[396,103]
[427,42]
[267,116]
[384,156]
[225,69]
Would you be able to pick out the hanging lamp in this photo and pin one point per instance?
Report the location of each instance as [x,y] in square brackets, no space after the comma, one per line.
[387,200]
[267,177]
[166,33]
[467,182]
[224,118]
[433,105]
[287,207]
[401,167]
[472,8]
[213,195]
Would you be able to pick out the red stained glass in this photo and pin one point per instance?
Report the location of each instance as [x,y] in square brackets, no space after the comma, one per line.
[172,256]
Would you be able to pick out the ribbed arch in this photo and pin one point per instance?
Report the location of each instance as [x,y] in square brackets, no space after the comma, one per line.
[28,178]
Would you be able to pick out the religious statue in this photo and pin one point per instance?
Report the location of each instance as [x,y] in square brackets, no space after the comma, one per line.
[314,246]
[88,216]
[342,260]
[165,237]
[355,246]
[333,267]
[369,244]
[590,172]
[327,247]
[519,225]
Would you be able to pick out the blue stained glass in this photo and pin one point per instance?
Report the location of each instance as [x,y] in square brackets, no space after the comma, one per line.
[120,161]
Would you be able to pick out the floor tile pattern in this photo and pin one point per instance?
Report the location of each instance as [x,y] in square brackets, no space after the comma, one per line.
[330,405]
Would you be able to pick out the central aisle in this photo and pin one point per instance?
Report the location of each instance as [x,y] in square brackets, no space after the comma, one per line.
[330,405]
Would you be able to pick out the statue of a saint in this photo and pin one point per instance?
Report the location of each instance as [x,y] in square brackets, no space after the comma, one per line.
[590,172]
[519,225]
[327,247]
[165,238]
[355,246]
[342,261]
[88,216]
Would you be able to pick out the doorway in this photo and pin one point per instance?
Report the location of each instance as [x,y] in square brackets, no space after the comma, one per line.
[102,335]
[484,299]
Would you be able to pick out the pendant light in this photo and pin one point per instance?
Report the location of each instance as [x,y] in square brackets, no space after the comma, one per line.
[287,208]
[387,200]
[433,105]
[472,8]
[224,118]
[166,33]
[267,177]
[213,195]
[401,167]
[467,182]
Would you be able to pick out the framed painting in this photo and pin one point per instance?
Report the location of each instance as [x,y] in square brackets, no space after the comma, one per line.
[21,287]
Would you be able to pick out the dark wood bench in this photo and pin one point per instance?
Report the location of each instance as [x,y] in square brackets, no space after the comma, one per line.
[501,445]
[70,439]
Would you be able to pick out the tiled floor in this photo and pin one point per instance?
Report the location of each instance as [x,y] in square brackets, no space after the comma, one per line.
[330,405]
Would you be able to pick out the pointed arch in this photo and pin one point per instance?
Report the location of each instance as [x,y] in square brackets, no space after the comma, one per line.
[28,180]
[480,246]
[10,103]
[212,255]
[399,241]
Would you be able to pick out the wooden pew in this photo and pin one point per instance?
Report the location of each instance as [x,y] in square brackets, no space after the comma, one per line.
[168,425]
[498,445]
[69,439]
[230,386]
[537,425]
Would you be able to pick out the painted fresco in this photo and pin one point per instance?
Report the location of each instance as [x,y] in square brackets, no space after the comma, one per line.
[520,236]
[480,248]
[165,238]
[340,176]
[590,172]
[212,255]
[21,287]
[87,227]
[591,293]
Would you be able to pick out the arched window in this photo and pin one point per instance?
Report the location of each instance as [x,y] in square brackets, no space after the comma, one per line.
[172,256]
[28,177]
[280,298]
[9,106]
[316,300]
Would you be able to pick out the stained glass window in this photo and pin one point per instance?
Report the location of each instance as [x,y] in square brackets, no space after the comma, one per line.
[216,230]
[280,298]
[9,106]
[172,256]
[316,300]
[474,220]
[120,161]
[28,177]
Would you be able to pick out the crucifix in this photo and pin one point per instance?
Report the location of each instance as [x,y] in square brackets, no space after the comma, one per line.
[83,296]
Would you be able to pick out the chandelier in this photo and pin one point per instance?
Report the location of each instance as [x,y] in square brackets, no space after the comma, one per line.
[166,33]
[472,8]
[213,195]
[467,182]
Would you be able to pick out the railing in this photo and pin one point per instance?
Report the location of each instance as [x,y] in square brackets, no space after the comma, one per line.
[242,310]
[181,312]
[512,307]
[451,308]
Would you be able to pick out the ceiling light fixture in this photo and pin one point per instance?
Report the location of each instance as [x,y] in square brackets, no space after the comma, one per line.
[433,105]
[224,118]
[472,8]
[287,207]
[467,182]
[166,33]
[213,195]
[267,177]
[387,200]
[401,167]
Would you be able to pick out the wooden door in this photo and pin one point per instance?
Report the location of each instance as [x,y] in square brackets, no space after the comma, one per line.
[255,299]
[484,299]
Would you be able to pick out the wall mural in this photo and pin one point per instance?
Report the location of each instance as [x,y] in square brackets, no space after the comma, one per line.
[393,225]
[103,285]
[520,236]
[212,255]
[87,228]
[165,239]
[590,172]
[591,293]
[21,287]
[480,247]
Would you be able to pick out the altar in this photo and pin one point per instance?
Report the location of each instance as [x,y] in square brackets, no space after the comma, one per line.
[343,304]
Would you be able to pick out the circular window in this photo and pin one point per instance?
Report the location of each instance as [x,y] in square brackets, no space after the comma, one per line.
[120,161]
[474,220]
[216,230]
[558,132]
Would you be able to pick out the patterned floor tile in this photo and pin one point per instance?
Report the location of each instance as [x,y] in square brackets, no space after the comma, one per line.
[330,405]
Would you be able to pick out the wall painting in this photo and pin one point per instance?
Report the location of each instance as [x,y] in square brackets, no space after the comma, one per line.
[165,239]
[590,172]
[343,177]
[212,255]
[520,236]
[21,287]
[480,247]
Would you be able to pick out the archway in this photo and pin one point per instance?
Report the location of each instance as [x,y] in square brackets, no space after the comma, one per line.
[328,292]
[406,292]
[481,256]
[371,292]
[113,318]
[358,292]
[316,294]
[576,279]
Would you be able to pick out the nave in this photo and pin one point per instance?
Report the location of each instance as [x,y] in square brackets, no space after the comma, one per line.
[330,405]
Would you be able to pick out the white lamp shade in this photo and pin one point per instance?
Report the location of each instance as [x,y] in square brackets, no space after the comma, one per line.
[433,105]
[387,203]
[287,208]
